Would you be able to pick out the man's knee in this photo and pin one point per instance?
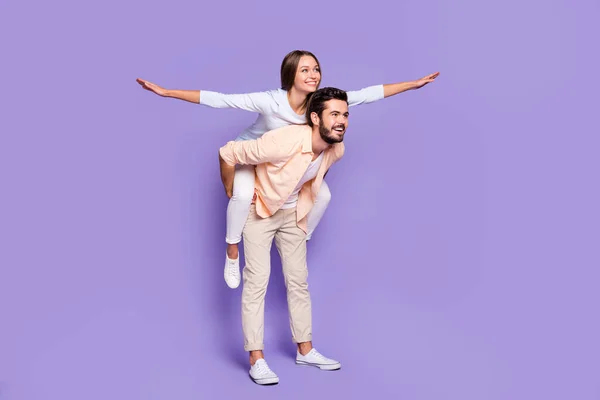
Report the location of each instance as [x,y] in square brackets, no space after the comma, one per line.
[256,282]
[298,279]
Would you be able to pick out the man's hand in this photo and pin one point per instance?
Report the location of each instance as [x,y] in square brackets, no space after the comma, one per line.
[227,174]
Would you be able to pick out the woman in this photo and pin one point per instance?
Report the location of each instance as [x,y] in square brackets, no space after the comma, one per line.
[300,76]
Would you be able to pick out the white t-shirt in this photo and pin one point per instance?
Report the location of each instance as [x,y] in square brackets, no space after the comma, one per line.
[311,173]
[274,108]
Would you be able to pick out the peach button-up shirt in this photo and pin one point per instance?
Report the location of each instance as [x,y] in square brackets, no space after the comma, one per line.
[281,157]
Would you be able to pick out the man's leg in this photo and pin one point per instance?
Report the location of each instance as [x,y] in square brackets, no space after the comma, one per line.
[258,238]
[291,244]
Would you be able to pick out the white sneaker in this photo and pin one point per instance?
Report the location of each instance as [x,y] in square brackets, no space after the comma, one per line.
[232,272]
[316,359]
[262,374]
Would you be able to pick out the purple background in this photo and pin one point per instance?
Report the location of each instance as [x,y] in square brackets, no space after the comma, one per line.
[459,256]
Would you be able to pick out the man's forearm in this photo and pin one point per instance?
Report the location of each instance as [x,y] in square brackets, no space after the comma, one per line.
[227,174]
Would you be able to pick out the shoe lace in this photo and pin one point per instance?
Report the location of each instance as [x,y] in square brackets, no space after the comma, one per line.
[318,355]
[231,268]
[263,367]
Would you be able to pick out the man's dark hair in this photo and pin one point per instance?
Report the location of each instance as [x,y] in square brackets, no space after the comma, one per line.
[318,99]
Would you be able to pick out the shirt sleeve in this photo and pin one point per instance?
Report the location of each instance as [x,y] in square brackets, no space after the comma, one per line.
[364,96]
[271,147]
[260,102]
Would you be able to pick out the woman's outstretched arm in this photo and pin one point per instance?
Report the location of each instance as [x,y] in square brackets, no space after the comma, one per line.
[193,96]
[260,102]
[374,93]
[392,89]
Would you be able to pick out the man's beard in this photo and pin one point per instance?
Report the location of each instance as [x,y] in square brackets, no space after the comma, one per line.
[327,136]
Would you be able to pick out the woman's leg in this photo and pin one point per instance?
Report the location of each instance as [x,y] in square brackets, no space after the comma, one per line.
[318,209]
[237,214]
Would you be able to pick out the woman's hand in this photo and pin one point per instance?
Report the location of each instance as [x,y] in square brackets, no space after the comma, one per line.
[152,87]
[419,83]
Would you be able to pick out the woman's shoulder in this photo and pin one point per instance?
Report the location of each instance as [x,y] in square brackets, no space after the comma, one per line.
[278,95]
[277,98]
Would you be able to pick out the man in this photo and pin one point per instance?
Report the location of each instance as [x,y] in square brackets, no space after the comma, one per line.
[290,165]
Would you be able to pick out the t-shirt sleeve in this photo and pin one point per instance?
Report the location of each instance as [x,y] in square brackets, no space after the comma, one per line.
[364,96]
[260,102]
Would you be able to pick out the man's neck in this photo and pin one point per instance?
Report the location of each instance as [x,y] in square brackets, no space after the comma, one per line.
[318,144]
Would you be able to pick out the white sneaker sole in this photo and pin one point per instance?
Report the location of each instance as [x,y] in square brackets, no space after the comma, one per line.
[265,381]
[324,367]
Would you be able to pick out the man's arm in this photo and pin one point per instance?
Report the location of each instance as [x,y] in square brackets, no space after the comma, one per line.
[273,146]
[227,174]
[241,152]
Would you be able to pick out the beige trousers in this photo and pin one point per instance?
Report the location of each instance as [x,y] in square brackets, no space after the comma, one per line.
[291,244]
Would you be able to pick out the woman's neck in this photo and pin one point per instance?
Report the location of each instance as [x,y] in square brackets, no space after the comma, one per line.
[296,100]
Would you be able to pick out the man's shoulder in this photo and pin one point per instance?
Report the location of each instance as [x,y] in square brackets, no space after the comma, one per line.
[339,149]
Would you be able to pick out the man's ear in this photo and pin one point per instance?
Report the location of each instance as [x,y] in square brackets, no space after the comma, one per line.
[314,118]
